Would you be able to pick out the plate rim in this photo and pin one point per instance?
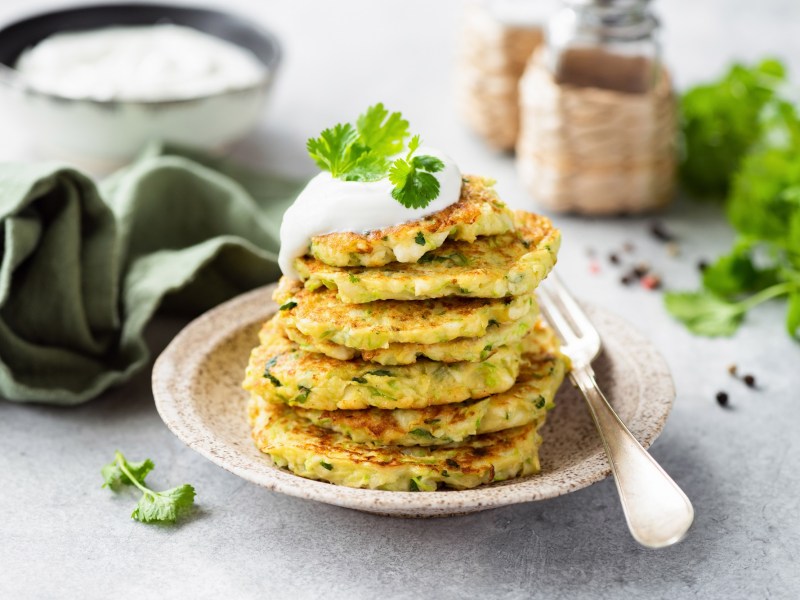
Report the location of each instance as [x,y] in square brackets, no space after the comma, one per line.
[204,334]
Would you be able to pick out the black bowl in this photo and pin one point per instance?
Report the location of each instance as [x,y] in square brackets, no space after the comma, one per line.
[18,36]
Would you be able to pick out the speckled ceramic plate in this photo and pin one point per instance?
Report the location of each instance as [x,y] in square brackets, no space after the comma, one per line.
[197,388]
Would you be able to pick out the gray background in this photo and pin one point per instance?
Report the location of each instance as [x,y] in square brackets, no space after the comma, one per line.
[63,536]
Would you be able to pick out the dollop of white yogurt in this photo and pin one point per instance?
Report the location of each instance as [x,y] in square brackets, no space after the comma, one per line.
[329,205]
[141,63]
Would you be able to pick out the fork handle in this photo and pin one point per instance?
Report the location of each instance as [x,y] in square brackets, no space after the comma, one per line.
[657,511]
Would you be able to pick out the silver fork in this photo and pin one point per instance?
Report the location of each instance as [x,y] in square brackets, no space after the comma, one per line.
[657,511]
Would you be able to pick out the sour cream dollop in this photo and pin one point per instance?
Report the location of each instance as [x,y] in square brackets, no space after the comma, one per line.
[329,205]
[140,63]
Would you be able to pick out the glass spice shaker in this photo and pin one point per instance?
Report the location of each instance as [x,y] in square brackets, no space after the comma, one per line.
[608,44]
[597,113]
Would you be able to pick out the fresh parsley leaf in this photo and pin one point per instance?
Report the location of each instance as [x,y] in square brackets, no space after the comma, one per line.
[428,163]
[163,507]
[381,132]
[742,138]
[114,477]
[705,313]
[288,306]
[414,184]
[368,167]
[721,121]
[334,149]
[368,151]
[360,152]
[420,238]
[153,507]
[736,273]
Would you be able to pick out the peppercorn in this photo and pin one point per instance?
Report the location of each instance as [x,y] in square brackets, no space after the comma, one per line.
[722,398]
[641,270]
[749,381]
[626,280]
[733,370]
[702,265]
[628,247]
[660,232]
[613,259]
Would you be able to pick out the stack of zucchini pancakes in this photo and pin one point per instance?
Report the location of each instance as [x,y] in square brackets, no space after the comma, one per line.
[412,358]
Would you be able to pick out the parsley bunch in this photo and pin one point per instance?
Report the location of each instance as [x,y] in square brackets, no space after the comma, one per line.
[153,507]
[720,121]
[763,205]
[368,151]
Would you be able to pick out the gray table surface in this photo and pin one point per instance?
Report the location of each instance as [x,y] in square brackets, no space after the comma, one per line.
[63,536]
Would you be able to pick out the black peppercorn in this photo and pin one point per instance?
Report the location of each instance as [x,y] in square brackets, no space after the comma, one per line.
[660,232]
[749,381]
[722,398]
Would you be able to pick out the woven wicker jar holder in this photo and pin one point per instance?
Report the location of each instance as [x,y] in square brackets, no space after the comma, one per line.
[490,61]
[595,151]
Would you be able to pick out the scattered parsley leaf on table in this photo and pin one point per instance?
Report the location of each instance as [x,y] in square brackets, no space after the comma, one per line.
[153,507]
[368,151]
[114,477]
[164,507]
[747,137]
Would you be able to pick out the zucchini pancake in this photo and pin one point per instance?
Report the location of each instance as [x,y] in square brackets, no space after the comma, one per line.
[510,264]
[478,212]
[407,352]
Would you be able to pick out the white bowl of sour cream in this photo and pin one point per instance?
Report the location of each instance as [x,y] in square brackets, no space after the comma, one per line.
[95,84]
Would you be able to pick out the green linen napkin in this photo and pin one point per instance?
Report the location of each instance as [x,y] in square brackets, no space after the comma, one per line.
[84,266]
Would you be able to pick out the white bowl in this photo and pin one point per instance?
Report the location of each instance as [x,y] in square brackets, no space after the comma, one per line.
[111,132]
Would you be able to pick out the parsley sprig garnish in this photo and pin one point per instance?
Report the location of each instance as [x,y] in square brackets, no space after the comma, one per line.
[368,151]
[153,507]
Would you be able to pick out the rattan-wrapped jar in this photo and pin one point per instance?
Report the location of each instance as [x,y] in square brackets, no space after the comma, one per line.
[595,151]
[597,112]
[494,48]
